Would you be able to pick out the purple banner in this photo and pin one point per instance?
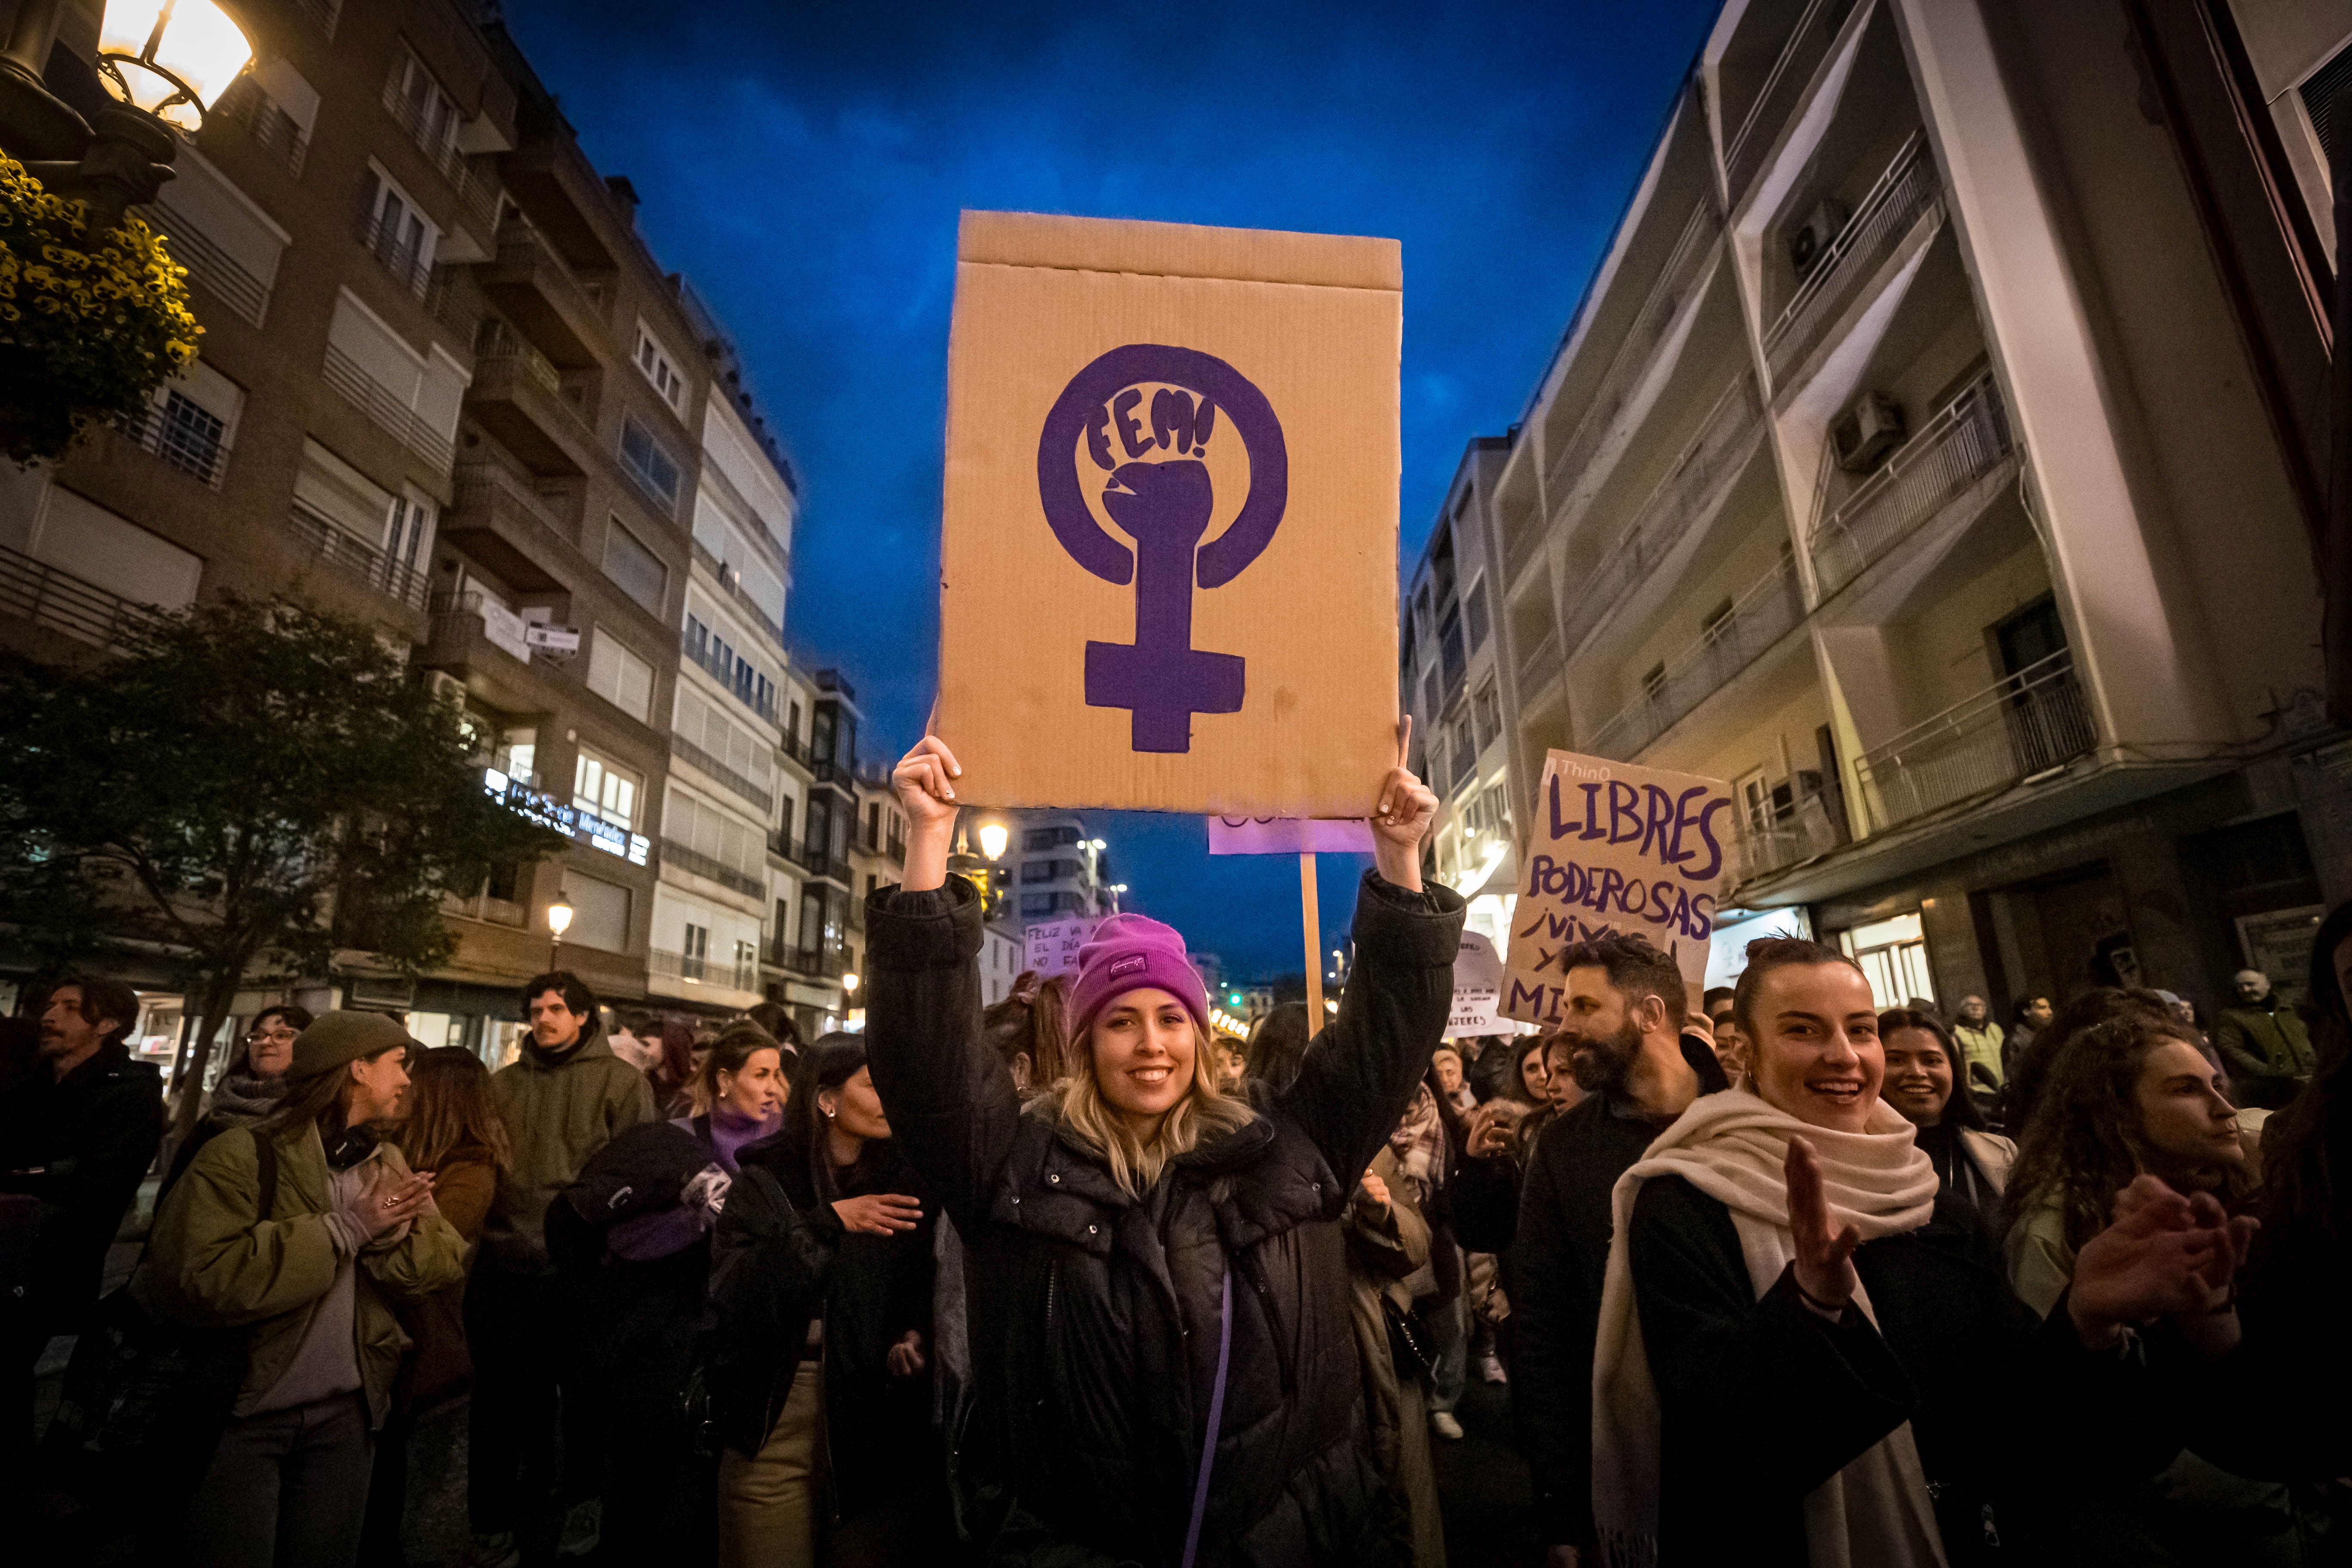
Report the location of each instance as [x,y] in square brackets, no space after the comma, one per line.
[1289,836]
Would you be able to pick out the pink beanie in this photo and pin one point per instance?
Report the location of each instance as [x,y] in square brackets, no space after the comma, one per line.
[1130,953]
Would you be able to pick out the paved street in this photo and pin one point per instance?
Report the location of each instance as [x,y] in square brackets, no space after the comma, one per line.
[1489,1510]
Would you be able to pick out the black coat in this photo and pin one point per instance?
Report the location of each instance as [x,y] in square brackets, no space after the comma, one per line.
[79,1145]
[1094,1315]
[1559,1258]
[781,1259]
[1761,1401]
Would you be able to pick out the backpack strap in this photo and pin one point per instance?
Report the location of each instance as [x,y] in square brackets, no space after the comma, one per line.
[266,1156]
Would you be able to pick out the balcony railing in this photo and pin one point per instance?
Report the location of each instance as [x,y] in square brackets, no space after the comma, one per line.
[34,593]
[733,582]
[227,279]
[818,962]
[722,666]
[345,554]
[756,793]
[1637,353]
[1715,455]
[488,491]
[1539,665]
[477,192]
[184,434]
[685,858]
[2034,721]
[398,248]
[697,969]
[387,412]
[524,248]
[1758,618]
[1777,99]
[1969,439]
[1909,188]
[1809,827]
[264,123]
[794,747]
[816,862]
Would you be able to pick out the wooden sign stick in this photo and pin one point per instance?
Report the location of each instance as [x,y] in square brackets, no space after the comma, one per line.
[1314,944]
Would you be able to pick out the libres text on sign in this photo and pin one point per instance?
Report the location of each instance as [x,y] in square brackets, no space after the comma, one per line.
[1616,848]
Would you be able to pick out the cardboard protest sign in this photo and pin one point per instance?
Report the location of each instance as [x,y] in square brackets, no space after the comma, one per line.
[1477,986]
[1051,947]
[1169,530]
[1289,836]
[1616,847]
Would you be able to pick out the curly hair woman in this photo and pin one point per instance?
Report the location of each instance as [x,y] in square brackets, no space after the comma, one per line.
[1158,1291]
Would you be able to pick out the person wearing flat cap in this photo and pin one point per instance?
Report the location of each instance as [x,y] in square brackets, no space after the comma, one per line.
[1162,1317]
[302,1231]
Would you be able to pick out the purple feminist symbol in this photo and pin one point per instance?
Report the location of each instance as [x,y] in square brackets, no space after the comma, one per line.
[1160,678]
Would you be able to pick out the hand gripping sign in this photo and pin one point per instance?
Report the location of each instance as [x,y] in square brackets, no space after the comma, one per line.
[1616,849]
[1168,550]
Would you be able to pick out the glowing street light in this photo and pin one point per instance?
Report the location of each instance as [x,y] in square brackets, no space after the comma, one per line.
[172,58]
[559,921]
[992,839]
[849,985]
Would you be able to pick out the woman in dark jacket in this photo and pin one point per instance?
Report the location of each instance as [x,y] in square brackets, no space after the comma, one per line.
[821,1279]
[631,1240]
[1157,1273]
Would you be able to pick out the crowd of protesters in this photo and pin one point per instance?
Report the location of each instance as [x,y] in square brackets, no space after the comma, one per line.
[1782,1277]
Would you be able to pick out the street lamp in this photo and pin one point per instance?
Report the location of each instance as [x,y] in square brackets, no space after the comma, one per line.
[559,921]
[849,986]
[164,63]
[992,839]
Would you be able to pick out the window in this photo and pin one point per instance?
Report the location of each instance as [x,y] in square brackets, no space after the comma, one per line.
[812,918]
[191,437]
[1465,750]
[730,745]
[709,649]
[1487,713]
[620,676]
[1717,625]
[658,369]
[1474,603]
[1036,905]
[1894,954]
[1037,871]
[1653,682]
[637,571]
[1452,659]
[874,825]
[871,882]
[424,108]
[600,912]
[695,950]
[654,470]
[606,789]
[715,834]
[793,722]
[396,232]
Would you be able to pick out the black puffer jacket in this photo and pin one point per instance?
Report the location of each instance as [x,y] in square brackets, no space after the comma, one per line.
[1094,1315]
[781,1259]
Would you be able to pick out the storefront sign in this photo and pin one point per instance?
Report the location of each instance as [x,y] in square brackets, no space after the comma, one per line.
[1182,440]
[1616,849]
[569,820]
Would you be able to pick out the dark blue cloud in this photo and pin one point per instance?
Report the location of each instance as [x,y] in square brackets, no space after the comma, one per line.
[805,166]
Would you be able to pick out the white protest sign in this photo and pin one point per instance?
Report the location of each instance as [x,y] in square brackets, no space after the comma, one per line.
[1477,986]
[1616,849]
[1051,947]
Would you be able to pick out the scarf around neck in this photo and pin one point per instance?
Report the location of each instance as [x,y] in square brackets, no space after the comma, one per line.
[1733,1146]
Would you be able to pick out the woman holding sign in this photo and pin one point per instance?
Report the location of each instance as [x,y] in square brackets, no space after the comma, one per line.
[1158,1270]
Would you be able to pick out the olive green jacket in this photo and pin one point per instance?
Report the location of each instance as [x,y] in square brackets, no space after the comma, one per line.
[212,1262]
[559,1113]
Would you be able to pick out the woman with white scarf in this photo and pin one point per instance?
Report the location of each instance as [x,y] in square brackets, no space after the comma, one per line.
[1800,1361]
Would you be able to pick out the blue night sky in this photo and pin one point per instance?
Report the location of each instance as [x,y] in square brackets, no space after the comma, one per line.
[804,167]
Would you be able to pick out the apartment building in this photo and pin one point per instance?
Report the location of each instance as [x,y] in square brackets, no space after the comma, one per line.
[1061,870]
[445,386]
[1931,457]
[808,955]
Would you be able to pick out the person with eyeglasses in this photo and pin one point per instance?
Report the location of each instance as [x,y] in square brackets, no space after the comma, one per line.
[249,1088]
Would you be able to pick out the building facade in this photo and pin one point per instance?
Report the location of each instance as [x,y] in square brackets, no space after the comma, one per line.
[1060,870]
[446,387]
[1921,460]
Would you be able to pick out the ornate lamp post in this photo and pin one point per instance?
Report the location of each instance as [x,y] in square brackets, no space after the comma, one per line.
[161,65]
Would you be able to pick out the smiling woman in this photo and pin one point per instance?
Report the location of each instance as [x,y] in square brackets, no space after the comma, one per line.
[1788,1261]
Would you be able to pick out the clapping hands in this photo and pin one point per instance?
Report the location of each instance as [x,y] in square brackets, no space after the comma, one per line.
[2162,1255]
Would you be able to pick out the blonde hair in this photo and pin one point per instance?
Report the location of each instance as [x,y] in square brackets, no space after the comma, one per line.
[1136,1162]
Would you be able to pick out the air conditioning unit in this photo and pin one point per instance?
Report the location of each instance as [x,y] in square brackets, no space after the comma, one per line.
[1870,428]
[445,685]
[1810,240]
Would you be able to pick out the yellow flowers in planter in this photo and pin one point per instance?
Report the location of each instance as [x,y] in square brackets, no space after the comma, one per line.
[87,333]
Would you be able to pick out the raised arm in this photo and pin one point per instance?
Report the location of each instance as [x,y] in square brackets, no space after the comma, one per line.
[1361,1070]
[949,1098]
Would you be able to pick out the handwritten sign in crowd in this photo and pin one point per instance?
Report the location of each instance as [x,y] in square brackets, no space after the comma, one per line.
[1051,947]
[1619,849]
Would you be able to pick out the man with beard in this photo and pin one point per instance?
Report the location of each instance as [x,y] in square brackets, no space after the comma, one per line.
[1639,1072]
